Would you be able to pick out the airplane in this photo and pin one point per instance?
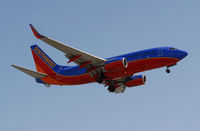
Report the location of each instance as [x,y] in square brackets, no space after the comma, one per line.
[117,73]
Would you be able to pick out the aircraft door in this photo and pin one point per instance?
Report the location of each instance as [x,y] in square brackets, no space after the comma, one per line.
[160,52]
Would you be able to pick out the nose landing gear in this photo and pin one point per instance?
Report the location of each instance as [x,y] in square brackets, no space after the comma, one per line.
[168,70]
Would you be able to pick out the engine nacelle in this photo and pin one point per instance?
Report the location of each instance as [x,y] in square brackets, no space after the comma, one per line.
[136,81]
[116,64]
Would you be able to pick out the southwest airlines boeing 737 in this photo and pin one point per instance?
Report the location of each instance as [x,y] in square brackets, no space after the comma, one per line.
[116,73]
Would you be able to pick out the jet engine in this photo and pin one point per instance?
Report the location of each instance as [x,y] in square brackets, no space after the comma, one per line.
[136,81]
[116,64]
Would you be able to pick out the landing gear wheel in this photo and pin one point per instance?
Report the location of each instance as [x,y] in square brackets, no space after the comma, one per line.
[111,89]
[168,70]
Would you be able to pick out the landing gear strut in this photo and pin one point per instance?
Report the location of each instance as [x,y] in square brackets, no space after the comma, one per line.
[168,70]
[100,78]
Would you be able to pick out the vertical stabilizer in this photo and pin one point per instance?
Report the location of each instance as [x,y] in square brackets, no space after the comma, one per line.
[43,62]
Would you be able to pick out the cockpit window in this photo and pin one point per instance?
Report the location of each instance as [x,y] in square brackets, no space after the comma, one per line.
[172,48]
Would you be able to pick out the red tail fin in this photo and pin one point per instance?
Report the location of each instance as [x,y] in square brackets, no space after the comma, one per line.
[43,63]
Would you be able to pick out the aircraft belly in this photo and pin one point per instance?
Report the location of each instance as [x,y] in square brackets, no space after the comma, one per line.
[76,80]
[150,63]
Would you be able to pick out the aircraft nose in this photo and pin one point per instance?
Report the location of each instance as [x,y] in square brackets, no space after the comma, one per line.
[182,54]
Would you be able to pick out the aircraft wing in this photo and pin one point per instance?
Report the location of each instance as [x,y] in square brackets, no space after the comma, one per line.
[74,55]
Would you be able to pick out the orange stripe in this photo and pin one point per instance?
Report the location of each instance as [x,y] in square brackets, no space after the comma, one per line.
[48,79]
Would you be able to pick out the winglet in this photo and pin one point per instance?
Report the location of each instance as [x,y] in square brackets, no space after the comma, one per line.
[35,32]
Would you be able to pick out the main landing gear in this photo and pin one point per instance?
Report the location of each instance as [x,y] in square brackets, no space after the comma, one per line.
[111,88]
[101,78]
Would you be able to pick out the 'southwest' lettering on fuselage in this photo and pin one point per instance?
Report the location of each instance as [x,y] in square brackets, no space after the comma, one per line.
[44,57]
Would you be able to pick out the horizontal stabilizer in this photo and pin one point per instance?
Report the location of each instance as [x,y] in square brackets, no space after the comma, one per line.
[33,74]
